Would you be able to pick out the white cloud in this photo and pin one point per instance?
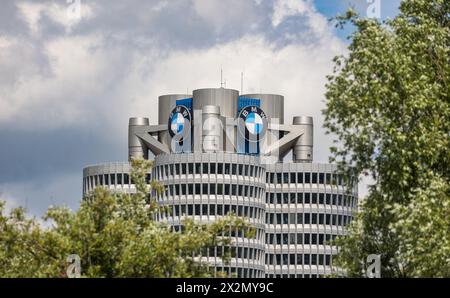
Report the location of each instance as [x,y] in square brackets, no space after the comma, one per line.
[61,13]
[288,8]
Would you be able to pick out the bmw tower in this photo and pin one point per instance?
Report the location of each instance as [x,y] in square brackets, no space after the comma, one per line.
[217,152]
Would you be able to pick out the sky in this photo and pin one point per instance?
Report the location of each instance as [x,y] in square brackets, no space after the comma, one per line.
[73,71]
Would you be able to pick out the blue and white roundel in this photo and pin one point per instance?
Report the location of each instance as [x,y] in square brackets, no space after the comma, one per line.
[179,121]
[254,123]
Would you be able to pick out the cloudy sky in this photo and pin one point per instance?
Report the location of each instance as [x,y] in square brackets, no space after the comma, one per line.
[70,78]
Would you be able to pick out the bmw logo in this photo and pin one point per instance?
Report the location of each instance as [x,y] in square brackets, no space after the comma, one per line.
[254,120]
[179,121]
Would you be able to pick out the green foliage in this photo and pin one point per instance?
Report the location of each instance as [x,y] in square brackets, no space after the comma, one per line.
[388,103]
[114,234]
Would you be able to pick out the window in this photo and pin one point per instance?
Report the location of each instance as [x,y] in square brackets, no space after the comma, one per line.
[307,218]
[321,178]
[292,199]
[197,189]
[321,218]
[321,198]
[314,178]
[300,198]
[306,261]
[291,259]
[227,169]
[306,238]
[285,177]
[291,238]
[307,177]
[299,259]
[292,218]
[314,259]
[285,198]
[220,168]
[307,198]
[285,259]
[126,179]
[299,238]
[314,198]
[285,219]
[293,178]
[300,177]
[191,168]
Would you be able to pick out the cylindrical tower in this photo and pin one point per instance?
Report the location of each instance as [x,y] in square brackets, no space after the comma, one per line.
[136,148]
[208,186]
[227,100]
[166,103]
[273,107]
[212,129]
[303,150]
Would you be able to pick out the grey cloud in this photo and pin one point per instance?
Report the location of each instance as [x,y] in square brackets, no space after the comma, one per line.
[26,155]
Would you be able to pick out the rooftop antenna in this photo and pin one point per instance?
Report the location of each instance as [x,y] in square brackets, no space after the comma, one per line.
[221,77]
[242,82]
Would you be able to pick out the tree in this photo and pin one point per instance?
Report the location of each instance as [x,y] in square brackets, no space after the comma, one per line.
[388,104]
[114,235]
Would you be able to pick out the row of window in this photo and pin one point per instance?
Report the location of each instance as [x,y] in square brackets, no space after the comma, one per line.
[310,198]
[299,259]
[240,233]
[239,272]
[210,168]
[306,177]
[299,238]
[90,182]
[213,209]
[307,218]
[211,189]
[253,254]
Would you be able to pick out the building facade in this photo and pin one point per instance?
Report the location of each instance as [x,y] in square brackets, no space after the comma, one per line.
[218,153]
